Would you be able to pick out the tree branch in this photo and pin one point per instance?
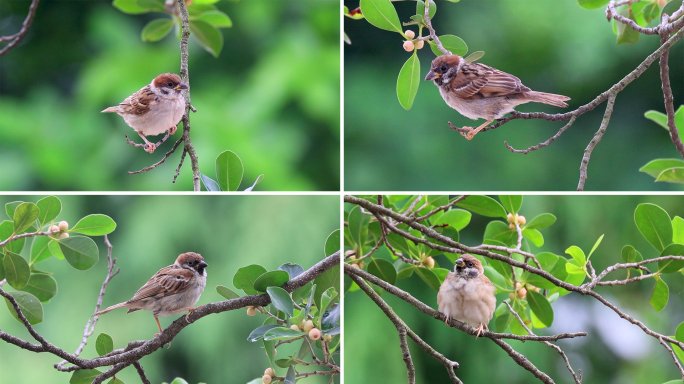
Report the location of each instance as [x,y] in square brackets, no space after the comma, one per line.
[15,39]
[597,137]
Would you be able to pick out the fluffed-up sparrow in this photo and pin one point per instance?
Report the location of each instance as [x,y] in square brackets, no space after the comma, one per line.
[173,289]
[467,295]
[478,91]
[156,108]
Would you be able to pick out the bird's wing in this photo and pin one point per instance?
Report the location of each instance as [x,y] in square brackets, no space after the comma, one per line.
[138,103]
[477,80]
[168,281]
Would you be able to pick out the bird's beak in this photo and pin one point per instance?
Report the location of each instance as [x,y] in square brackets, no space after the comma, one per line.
[181,86]
[432,75]
[459,263]
[202,264]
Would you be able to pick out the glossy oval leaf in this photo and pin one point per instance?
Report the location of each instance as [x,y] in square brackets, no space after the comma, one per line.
[542,221]
[157,29]
[79,251]
[420,8]
[428,277]
[483,205]
[656,167]
[246,276]
[679,334]
[660,294]
[281,300]
[381,13]
[383,269]
[226,292]
[475,56]
[512,203]
[541,307]
[6,230]
[672,175]
[282,334]
[229,171]
[408,81]
[258,333]
[330,319]
[630,254]
[50,207]
[654,224]
[95,225]
[25,215]
[500,232]
[451,43]
[671,266]
[39,249]
[17,271]
[592,4]
[332,244]
[292,269]
[457,218]
[209,183]
[53,246]
[217,18]
[29,305]
[290,376]
[358,225]
[496,278]
[11,207]
[42,286]
[84,376]
[329,278]
[678,230]
[577,254]
[211,40]
[534,236]
[271,279]
[104,344]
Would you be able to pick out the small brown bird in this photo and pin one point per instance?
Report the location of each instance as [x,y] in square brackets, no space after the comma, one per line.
[173,289]
[478,91]
[467,295]
[156,108]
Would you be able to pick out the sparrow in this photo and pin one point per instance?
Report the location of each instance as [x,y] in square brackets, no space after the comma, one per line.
[467,295]
[173,289]
[156,108]
[478,91]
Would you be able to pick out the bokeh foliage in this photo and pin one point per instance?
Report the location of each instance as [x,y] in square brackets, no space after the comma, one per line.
[556,47]
[272,96]
[230,232]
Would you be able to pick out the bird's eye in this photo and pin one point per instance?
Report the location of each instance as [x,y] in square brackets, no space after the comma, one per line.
[469,264]
[443,68]
[169,84]
[191,262]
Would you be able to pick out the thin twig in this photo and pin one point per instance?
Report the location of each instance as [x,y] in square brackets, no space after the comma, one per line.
[157,144]
[544,143]
[153,166]
[433,35]
[592,144]
[141,372]
[19,36]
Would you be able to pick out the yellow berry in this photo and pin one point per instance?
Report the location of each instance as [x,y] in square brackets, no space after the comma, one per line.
[54,229]
[511,296]
[362,264]
[511,226]
[308,326]
[522,293]
[420,44]
[63,235]
[63,226]
[517,285]
[266,379]
[408,46]
[350,252]
[251,311]
[662,3]
[509,217]
[269,372]
[314,334]
[327,338]
[430,262]
[410,34]
[356,266]
[522,220]
[294,327]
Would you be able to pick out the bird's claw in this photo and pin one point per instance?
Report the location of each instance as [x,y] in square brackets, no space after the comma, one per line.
[172,130]
[469,134]
[479,330]
[150,147]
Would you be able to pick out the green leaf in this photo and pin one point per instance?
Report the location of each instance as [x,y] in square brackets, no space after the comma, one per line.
[654,224]
[330,321]
[282,363]
[79,251]
[114,380]
[548,262]
[229,171]
[157,29]
[542,221]
[358,225]
[483,205]
[271,279]
[658,118]
[596,244]
[679,334]
[152,5]
[592,4]
[179,380]
[475,56]
[211,39]
[25,215]
[503,318]
[512,203]
[541,307]
[257,181]
[217,18]
[258,333]
[196,9]
[246,276]
[428,277]
[671,175]
[42,286]
[327,298]
[95,225]
[656,167]
[29,305]
[671,266]
[209,183]
[451,43]
[329,278]
[456,218]
[332,243]
[660,294]
[577,254]
[381,13]
[678,230]
[626,35]
[534,236]
[53,247]
[226,292]
[131,7]
[11,207]
[50,207]
[408,81]
[85,376]
[307,309]
[502,268]
[630,254]
[497,279]
[290,376]
[104,344]
[404,270]
[6,230]
[282,334]
[383,269]
[292,269]
[281,299]
[420,8]
[573,269]
[17,271]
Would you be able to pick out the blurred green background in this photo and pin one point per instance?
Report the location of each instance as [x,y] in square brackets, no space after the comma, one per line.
[272,96]
[230,232]
[552,46]
[614,351]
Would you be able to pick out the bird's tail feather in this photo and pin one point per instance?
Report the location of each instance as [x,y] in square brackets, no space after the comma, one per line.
[548,98]
[113,307]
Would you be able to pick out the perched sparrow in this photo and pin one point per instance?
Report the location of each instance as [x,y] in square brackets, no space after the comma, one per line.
[173,289]
[467,294]
[478,91]
[156,108]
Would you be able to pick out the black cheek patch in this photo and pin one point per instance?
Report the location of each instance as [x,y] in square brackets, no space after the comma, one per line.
[472,273]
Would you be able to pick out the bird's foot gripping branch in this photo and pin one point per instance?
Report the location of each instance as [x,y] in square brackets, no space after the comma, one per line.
[412,231]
